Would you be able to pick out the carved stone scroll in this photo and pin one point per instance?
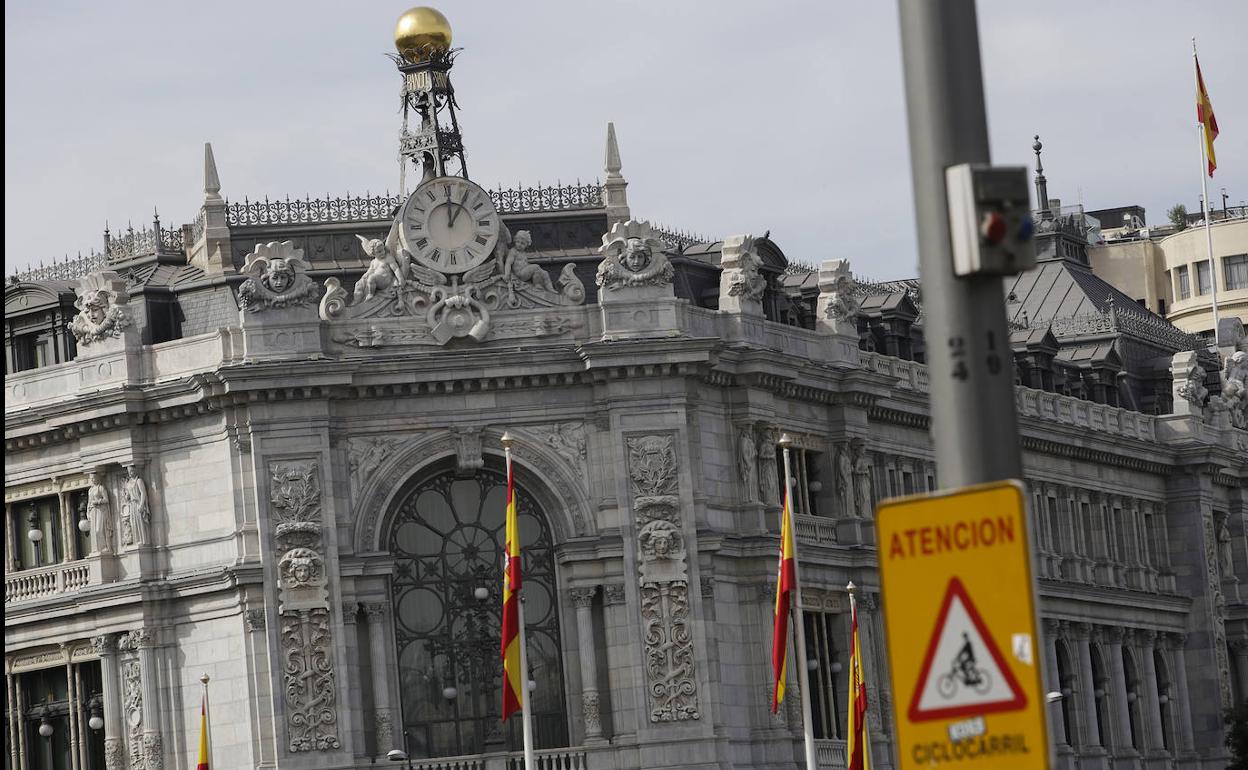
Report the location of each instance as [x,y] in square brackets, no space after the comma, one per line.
[671,679]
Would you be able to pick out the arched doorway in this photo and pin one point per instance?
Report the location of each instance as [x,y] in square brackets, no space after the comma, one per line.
[446,536]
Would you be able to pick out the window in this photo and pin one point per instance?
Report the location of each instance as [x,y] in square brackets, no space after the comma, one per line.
[1184,283]
[1235,271]
[29,351]
[823,668]
[1202,278]
[47,699]
[42,515]
[803,465]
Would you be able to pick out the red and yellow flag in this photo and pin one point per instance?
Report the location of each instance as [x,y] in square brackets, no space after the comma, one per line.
[786,581]
[856,745]
[513,691]
[202,764]
[1204,114]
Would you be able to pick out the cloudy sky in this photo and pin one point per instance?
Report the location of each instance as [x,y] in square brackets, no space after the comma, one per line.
[732,117]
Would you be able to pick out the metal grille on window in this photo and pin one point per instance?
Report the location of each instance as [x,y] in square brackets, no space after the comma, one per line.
[447,540]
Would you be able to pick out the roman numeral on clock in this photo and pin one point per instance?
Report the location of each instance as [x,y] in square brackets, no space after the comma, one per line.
[421,243]
[481,239]
[435,255]
[483,223]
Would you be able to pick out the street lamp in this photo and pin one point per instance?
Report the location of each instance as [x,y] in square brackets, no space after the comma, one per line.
[96,721]
[35,536]
[45,727]
[401,755]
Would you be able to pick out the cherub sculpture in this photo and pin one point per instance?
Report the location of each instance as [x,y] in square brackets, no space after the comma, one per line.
[387,266]
[517,266]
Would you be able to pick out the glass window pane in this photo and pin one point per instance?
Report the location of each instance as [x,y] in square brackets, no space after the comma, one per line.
[1236,271]
[1202,278]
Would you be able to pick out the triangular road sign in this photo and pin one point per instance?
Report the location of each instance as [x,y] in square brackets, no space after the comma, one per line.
[963,672]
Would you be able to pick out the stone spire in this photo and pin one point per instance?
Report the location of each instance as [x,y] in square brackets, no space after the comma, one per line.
[212,182]
[615,188]
[1042,185]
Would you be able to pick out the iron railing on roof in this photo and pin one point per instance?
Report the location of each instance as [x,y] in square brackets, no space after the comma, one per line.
[680,240]
[376,208]
[1116,319]
[68,269]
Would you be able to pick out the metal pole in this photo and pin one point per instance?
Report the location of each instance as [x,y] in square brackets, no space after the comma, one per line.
[974,427]
[1204,203]
[799,627]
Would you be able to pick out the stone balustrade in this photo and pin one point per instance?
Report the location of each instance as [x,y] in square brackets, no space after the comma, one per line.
[547,759]
[830,754]
[815,529]
[42,582]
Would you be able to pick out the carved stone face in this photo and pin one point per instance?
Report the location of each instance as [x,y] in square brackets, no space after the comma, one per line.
[636,255]
[662,544]
[95,305]
[279,275]
[523,240]
[376,248]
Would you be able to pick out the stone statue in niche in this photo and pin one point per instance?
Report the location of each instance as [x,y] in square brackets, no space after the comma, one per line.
[277,278]
[845,481]
[768,472]
[747,463]
[862,479]
[103,308]
[99,514]
[1226,555]
[136,514]
[517,266]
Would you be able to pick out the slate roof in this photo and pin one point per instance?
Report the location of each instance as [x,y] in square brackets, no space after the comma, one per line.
[1062,289]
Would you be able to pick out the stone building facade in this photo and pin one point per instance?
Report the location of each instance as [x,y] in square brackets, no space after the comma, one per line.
[221,461]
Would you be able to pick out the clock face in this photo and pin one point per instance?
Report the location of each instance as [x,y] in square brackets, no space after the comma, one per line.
[449,224]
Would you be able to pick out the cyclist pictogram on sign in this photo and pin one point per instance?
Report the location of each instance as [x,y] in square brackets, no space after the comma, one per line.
[963,672]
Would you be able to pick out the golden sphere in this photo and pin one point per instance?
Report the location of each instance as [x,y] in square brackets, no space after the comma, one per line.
[420,31]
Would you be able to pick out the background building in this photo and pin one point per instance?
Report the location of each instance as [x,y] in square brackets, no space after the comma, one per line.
[265,446]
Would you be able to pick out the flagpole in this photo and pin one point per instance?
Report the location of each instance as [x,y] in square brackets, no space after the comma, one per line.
[856,646]
[207,718]
[526,718]
[799,636]
[1204,197]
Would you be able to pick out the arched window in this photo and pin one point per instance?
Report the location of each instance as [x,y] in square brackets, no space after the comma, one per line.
[1101,692]
[1066,682]
[446,537]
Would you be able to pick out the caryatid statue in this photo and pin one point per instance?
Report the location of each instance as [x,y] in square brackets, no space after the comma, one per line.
[100,515]
[135,513]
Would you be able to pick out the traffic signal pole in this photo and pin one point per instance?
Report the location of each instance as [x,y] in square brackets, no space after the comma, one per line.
[974,427]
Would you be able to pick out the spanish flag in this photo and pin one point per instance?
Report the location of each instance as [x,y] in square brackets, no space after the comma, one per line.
[856,730]
[513,677]
[786,581]
[202,764]
[1204,114]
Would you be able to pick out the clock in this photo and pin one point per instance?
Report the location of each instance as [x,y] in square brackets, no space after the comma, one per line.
[449,224]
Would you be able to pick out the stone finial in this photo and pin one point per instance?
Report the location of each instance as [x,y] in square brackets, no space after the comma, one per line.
[613,154]
[1042,185]
[615,187]
[212,182]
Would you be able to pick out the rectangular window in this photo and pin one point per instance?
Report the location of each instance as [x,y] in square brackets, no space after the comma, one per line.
[825,685]
[43,515]
[1184,283]
[1235,271]
[1202,278]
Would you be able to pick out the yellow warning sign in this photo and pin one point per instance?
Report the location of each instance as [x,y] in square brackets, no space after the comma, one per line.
[960,619]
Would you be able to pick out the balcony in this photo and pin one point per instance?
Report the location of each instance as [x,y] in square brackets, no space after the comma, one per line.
[815,529]
[547,759]
[830,754]
[44,582]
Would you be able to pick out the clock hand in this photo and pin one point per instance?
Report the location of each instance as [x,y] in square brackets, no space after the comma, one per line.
[458,208]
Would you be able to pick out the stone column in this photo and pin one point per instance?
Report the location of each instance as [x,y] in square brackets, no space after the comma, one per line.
[583,600]
[622,678]
[1087,684]
[153,753]
[69,528]
[10,683]
[110,677]
[1240,648]
[1153,738]
[1118,704]
[72,695]
[1183,710]
[1054,681]
[377,636]
[10,544]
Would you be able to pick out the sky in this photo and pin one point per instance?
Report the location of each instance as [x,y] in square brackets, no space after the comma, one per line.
[732,117]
